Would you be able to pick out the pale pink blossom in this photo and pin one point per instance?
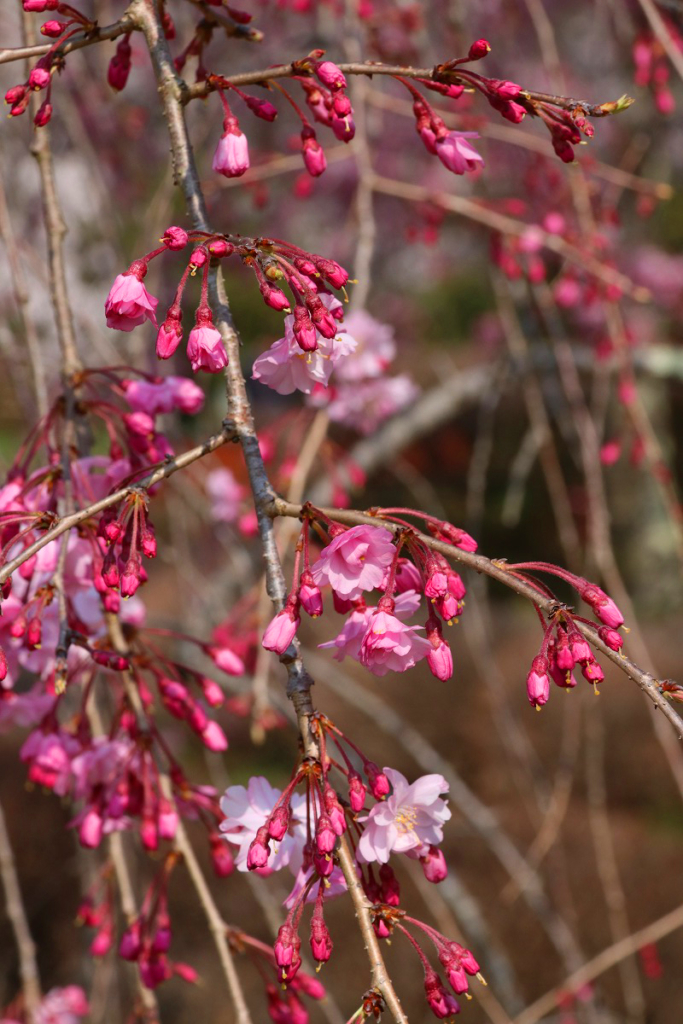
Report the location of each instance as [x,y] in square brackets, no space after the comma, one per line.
[348,642]
[62,1006]
[391,646]
[23,709]
[364,405]
[154,397]
[355,560]
[50,758]
[247,810]
[205,349]
[410,820]
[226,495]
[286,368]
[335,886]
[456,154]
[375,349]
[129,303]
[231,158]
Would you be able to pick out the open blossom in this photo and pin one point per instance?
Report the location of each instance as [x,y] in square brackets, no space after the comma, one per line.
[456,154]
[411,819]
[128,303]
[355,560]
[286,368]
[247,810]
[375,351]
[391,646]
[348,642]
[364,405]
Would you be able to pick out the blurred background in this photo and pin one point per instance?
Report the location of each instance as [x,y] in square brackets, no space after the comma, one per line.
[540,409]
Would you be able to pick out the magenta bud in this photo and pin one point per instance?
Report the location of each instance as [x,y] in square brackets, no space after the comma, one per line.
[434,865]
[279,823]
[379,783]
[175,238]
[220,248]
[479,49]
[357,792]
[52,29]
[198,258]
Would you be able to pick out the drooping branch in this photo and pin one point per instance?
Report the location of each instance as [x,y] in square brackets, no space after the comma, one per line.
[497,570]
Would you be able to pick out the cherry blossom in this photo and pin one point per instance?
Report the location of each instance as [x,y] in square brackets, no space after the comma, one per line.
[390,646]
[355,560]
[410,820]
[246,811]
[226,495]
[128,303]
[286,368]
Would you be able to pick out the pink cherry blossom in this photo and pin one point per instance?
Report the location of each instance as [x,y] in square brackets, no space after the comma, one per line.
[391,646]
[456,154]
[281,630]
[154,397]
[348,642]
[62,1006]
[286,368]
[225,494]
[355,560]
[129,303]
[375,349]
[247,810]
[205,349]
[411,819]
[364,405]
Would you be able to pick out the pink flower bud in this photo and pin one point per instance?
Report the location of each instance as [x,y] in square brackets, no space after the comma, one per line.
[214,738]
[479,49]
[538,683]
[330,75]
[313,154]
[614,640]
[262,108]
[130,945]
[43,115]
[441,1002]
[227,661]
[90,830]
[175,238]
[220,248]
[40,6]
[222,859]
[169,337]
[281,630]
[321,941]
[205,348]
[231,158]
[198,257]
[379,783]
[119,65]
[434,865]
[602,605]
[334,810]
[259,850]
[278,823]
[592,672]
[390,889]
[274,297]
[102,942]
[52,29]
[310,595]
[357,792]
[579,647]
[39,78]
[325,836]
[212,692]
[15,94]
[304,331]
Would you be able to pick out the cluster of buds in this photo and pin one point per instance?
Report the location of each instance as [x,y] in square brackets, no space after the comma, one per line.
[363,558]
[147,939]
[458,964]
[42,72]
[652,66]
[564,646]
[315,312]
[128,535]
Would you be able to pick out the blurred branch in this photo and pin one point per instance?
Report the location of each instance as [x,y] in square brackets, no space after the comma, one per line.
[16,912]
[609,957]
[661,32]
[76,42]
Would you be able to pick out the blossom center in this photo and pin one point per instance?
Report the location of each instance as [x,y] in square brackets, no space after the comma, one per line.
[406,819]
